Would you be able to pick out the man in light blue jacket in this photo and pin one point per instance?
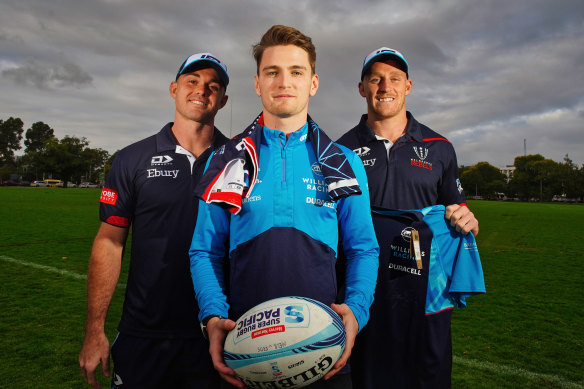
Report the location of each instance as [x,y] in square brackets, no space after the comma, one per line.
[277,200]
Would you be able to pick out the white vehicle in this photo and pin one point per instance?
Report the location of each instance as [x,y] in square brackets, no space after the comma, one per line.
[69,185]
[88,185]
[39,184]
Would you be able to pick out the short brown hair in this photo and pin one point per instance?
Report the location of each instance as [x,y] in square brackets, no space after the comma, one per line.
[283,35]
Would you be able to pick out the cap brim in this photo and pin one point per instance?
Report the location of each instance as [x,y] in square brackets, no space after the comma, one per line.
[385,57]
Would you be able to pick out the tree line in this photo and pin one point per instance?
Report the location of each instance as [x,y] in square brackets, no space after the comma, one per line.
[46,156]
[71,159]
[535,178]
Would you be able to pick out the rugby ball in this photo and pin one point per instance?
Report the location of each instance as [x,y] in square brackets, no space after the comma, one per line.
[288,342]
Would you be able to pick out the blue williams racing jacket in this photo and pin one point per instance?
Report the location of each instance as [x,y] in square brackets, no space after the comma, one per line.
[283,241]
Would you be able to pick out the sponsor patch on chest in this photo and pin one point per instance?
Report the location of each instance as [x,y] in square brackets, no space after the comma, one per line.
[150,173]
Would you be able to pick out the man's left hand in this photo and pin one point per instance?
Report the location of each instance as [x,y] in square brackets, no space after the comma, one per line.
[351,329]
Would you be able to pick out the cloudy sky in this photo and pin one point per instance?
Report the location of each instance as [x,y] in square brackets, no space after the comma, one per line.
[487,74]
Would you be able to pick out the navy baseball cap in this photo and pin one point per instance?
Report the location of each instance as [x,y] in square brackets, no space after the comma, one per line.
[204,61]
[384,54]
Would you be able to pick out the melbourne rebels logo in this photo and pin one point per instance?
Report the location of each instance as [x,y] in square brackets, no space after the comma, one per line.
[422,154]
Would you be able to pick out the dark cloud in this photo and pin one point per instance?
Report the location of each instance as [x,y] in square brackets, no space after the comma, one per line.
[487,74]
[48,76]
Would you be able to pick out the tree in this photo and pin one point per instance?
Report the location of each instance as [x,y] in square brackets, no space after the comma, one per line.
[10,137]
[109,162]
[570,178]
[546,179]
[69,159]
[483,179]
[65,157]
[35,141]
[95,161]
[524,184]
[36,136]
[536,177]
[579,184]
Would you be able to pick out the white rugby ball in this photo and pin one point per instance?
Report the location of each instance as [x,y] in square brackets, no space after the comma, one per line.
[288,342]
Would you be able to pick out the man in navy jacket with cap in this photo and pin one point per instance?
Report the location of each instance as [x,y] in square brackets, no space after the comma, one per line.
[150,187]
[408,166]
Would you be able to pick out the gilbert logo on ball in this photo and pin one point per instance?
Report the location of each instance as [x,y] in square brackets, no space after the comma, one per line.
[288,342]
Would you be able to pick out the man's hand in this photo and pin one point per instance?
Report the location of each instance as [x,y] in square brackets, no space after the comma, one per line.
[351,328]
[95,350]
[462,218]
[217,330]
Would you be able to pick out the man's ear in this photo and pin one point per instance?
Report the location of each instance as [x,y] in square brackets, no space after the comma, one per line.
[256,85]
[361,89]
[223,101]
[314,86]
[408,86]
[172,89]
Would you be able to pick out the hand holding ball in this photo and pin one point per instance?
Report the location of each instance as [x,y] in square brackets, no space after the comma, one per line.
[286,342]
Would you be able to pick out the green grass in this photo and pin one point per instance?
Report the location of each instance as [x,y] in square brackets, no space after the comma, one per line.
[526,332]
[530,320]
[42,313]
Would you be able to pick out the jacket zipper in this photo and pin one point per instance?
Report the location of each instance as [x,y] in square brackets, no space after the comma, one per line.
[283,156]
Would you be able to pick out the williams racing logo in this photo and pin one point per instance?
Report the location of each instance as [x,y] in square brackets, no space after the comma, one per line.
[406,234]
[403,256]
[315,167]
[422,154]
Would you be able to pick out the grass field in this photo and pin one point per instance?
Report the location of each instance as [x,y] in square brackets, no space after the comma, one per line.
[526,332]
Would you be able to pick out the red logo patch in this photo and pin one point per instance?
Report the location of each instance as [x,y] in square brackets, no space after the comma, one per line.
[267,331]
[108,196]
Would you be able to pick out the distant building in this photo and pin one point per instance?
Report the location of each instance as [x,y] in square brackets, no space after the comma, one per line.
[508,171]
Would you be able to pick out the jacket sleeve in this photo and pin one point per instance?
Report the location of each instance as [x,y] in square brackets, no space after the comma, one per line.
[360,246]
[207,252]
